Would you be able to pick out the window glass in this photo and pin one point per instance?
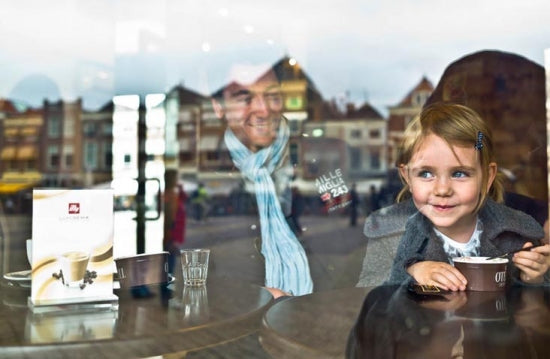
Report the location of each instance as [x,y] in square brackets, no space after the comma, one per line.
[281,126]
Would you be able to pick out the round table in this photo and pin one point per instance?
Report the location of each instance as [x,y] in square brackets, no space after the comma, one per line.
[397,322]
[149,322]
[316,325]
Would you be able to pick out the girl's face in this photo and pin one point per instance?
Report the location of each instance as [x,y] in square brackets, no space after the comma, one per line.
[446,186]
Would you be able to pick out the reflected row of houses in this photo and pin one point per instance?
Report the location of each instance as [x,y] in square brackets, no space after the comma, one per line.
[63,145]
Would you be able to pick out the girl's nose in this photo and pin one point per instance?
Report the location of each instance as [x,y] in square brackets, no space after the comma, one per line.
[442,187]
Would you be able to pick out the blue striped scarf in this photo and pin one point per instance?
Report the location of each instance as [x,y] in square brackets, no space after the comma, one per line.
[286,264]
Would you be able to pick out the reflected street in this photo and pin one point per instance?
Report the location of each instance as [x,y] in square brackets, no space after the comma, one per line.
[334,249]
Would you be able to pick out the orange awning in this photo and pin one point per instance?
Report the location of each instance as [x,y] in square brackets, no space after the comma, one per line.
[8,153]
[29,131]
[26,153]
[11,131]
[9,188]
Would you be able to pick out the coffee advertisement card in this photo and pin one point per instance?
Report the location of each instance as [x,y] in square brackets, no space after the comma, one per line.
[72,246]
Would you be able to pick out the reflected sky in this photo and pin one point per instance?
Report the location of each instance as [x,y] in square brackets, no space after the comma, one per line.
[354,50]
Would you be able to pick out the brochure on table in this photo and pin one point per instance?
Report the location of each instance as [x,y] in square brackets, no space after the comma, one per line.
[72,247]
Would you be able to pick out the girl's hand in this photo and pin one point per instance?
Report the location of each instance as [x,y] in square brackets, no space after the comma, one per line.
[533,264]
[440,274]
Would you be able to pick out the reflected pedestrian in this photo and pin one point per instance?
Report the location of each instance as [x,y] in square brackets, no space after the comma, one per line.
[199,201]
[372,200]
[175,213]
[297,208]
[354,205]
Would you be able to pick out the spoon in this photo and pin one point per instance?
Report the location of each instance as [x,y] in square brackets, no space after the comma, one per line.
[512,252]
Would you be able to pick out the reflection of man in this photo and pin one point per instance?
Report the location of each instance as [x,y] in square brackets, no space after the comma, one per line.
[257,137]
[198,199]
[354,205]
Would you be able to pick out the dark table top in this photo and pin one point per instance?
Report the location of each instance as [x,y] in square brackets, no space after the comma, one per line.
[397,323]
[392,322]
[311,326]
[145,323]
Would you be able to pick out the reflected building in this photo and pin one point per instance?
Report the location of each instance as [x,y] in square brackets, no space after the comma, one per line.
[302,101]
[97,145]
[507,90]
[61,144]
[357,144]
[195,143]
[401,114]
[20,167]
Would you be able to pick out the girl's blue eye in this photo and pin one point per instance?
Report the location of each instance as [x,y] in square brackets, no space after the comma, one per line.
[425,174]
[460,174]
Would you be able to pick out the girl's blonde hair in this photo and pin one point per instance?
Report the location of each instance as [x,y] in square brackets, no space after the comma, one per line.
[457,125]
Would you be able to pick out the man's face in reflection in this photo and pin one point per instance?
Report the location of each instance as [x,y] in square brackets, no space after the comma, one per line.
[253,111]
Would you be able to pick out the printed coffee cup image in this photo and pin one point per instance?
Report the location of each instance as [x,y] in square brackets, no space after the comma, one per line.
[483,274]
[73,265]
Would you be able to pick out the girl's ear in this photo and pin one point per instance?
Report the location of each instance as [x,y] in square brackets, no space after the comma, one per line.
[404,173]
[492,173]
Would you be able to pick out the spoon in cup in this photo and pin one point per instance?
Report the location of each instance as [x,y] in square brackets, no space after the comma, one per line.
[512,252]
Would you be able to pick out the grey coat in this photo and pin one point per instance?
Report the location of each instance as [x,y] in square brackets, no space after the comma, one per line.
[383,229]
[407,236]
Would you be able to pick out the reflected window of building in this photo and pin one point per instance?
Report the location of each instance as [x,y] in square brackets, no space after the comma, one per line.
[10,165]
[89,129]
[375,161]
[90,155]
[68,127]
[54,127]
[107,129]
[53,156]
[186,157]
[212,155]
[420,98]
[355,157]
[30,165]
[107,155]
[68,152]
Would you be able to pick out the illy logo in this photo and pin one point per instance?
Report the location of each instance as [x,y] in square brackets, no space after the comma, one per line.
[74,208]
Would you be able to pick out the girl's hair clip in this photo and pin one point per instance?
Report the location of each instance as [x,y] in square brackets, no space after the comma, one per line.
[479,142]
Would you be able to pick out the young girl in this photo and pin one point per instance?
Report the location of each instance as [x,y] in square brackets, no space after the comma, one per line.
[447,165]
